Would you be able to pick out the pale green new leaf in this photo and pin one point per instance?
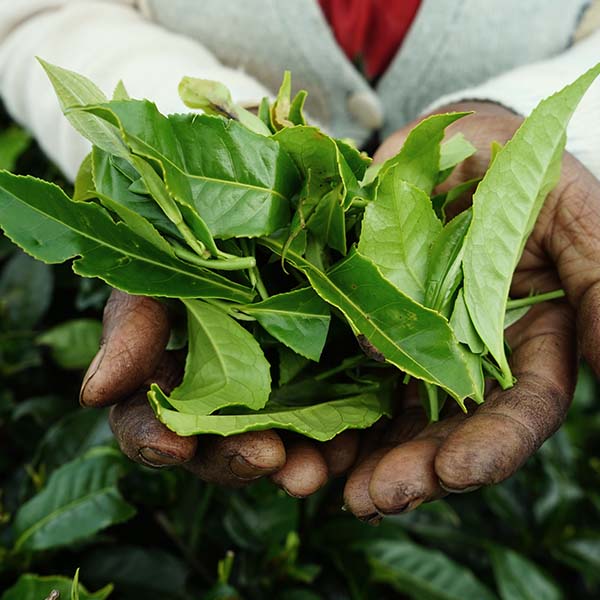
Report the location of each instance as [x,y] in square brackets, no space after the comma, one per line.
[419,157]
[452,153]
[298,319]
[321,422]
[505,208]
[327,183]
[445,259]
[42,220]
[75,90]
[225,366]
[514,315]
[398,229]
[80,499]
[214,98]
[463,328]
[37,587]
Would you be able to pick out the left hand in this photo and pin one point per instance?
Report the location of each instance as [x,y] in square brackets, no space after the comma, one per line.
[413,462]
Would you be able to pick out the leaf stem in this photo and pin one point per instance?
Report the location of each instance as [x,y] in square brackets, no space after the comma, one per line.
[226,264]
[254,272]
[535,299]
[231,310]
[505,381]
[347,363]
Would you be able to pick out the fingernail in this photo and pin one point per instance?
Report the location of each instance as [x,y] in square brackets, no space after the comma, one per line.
[373,519]
[291,494]
[245,470]
[156,458]
[92,370]
[465,490]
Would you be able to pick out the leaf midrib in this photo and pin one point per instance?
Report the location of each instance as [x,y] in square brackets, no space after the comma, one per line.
[61,510]
[185,173]
[103,243]
[308,267]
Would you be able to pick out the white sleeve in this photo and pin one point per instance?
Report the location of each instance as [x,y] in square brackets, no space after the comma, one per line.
[522,89]
[105,41]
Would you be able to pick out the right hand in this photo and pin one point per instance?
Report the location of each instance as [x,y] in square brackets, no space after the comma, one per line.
[133,354]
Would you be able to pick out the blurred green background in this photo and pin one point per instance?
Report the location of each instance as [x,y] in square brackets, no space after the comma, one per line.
[69,500]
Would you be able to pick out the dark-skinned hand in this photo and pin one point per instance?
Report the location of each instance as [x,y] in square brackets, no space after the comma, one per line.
[412,462]
[406,462]
[132,355]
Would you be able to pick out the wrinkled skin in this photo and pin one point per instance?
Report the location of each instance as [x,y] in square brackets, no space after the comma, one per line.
[396,466]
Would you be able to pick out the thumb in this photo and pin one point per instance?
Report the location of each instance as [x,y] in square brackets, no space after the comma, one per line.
[570,230]
[134,337]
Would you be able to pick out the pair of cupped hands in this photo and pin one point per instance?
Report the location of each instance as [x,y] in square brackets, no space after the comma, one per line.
[395,465]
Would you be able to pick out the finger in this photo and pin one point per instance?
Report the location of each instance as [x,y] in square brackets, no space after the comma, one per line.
[405,477]
[511,425]
[239,459]
[356,491]
[568,230]
[305,470]
[340,453]
[139,433]
[135,334]
[146,440]
[405,426]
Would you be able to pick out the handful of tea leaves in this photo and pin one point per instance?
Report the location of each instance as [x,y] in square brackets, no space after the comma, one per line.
[293,256]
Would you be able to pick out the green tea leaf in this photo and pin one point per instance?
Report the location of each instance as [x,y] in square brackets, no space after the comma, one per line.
[72,436]
[422,573]
[419,158]
[398,228]
[84,181]
[40,218]
[75,586]
[514,315]
[518,578]
[80,499]
[73,344]
[319,421]
[36,587]
[280,109]
[505,208]
[114,187]
[463,327]
[225,366]
[415,339]
[120,92]
[137,571]
[13,143]
[358,161]
[441,202]
[240,186]
[444,274]
[296,115]
[75,90]
[214,98]
[452,153]
[290,365]
[328,179]
[298,319]
[26,287]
